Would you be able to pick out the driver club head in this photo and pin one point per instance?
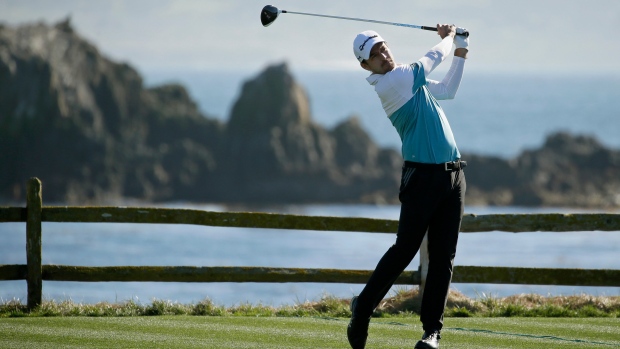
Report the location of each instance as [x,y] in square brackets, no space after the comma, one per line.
[268,15]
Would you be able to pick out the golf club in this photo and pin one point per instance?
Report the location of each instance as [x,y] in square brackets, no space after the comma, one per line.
[269,14]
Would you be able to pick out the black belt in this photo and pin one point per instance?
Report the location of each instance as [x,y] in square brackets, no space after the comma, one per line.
[446,166]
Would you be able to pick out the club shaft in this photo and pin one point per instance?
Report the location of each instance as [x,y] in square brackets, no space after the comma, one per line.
[356,19]
[369,21]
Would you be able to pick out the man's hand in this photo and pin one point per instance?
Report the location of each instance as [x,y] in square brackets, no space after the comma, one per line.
[462,43]
[446,30]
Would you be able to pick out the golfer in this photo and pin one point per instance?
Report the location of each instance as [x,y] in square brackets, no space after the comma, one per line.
[432,188]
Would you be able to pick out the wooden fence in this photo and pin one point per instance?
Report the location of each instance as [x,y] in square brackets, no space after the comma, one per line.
[34,272]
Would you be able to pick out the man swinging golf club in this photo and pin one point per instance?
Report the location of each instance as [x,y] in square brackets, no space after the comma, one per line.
[432,188]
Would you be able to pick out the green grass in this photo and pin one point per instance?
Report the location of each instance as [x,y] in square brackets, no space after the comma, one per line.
[304,332]
[520,321]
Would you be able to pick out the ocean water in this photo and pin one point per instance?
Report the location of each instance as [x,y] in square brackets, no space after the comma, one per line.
[185,245]
[492,114]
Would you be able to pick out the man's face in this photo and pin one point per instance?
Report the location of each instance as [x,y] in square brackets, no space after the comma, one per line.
[380,60]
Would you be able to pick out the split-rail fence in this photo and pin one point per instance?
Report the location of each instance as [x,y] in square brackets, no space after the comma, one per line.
[34,272]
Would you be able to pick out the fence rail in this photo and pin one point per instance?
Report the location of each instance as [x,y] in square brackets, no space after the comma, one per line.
[35,213]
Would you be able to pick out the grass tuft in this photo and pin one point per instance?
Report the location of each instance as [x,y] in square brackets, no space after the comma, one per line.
[207,308]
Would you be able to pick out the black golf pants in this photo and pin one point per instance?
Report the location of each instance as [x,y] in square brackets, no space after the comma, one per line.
[432,199]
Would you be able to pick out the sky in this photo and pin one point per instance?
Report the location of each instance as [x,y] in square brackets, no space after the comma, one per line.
[195,35]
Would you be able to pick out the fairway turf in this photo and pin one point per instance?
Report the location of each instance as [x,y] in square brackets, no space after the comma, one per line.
[306,332]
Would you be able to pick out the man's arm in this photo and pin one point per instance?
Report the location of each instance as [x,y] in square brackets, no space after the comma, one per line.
[447,88]
[461,52]
[439,52]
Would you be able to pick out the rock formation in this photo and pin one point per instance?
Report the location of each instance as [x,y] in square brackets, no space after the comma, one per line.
[89,129]
[276,153]
[567,171]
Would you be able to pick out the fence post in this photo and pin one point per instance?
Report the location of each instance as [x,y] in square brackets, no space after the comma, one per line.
[423,263]
[34,203]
